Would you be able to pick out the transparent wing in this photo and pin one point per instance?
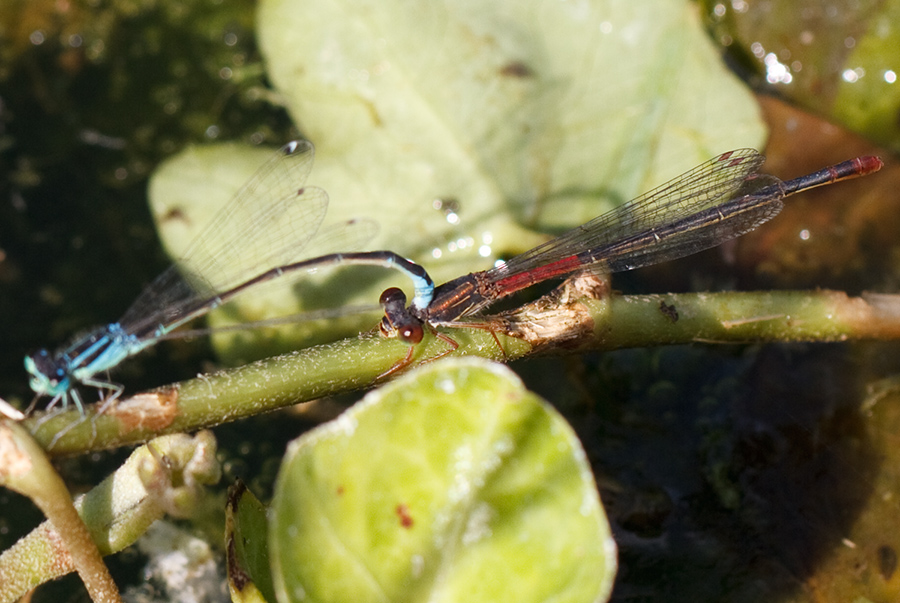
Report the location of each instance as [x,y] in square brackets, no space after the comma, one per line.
[267,223]
[639,233]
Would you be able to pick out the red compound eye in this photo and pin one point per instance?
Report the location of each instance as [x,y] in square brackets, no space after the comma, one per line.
[411,334]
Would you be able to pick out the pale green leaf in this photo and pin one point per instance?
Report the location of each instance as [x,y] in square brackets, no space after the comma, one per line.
[451,484]
[528,114]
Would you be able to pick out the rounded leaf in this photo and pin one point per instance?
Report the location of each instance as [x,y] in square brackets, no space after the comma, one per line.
[453,483]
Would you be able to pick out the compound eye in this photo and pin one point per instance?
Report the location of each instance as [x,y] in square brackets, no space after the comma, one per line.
[42,363]
[393,296]
[411,334]
[46,368]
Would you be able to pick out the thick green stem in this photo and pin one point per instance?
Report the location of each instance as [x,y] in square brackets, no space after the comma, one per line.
[554,324]
[26,469]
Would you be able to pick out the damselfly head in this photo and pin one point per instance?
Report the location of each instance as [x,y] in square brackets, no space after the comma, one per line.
[48,373]
[397,321]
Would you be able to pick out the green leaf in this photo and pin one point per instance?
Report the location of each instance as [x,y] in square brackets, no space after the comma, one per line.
[249,575]
[536,115]
[451,484]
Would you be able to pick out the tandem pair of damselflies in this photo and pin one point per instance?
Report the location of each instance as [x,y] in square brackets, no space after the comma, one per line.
[712,203]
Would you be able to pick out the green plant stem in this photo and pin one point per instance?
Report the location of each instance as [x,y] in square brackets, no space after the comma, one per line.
[754,317]
[162,477]
[27,470]
[546,326]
